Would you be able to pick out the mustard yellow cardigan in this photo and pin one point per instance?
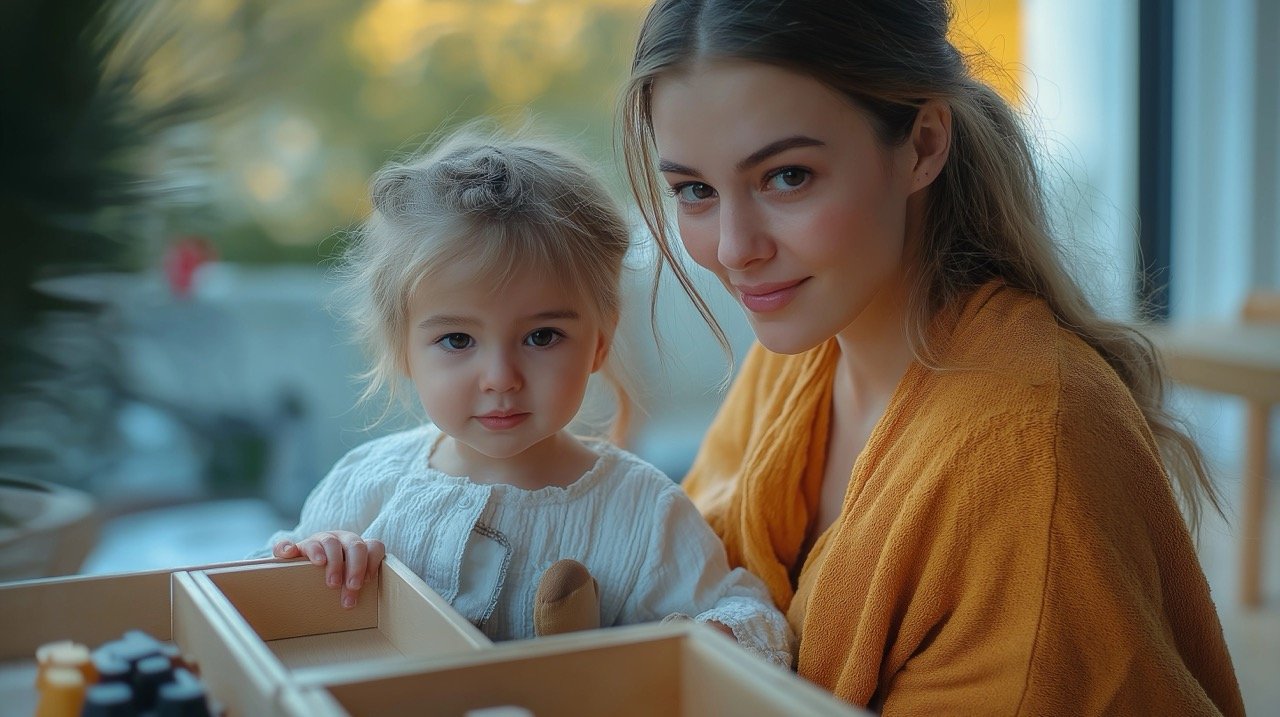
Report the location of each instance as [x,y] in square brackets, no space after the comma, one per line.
[1009,542]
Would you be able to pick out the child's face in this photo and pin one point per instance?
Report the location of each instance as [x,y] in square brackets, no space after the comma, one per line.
[501,372]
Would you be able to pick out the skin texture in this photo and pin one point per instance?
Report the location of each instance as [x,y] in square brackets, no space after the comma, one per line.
[526,350]
[780,180]
[785,193]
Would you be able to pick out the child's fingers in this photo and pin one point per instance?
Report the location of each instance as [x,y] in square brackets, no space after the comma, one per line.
[333,563]
[357,558]
[377,551]
[312,551]
[285,549]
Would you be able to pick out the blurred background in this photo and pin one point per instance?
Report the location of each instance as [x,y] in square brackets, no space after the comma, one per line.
[178,176]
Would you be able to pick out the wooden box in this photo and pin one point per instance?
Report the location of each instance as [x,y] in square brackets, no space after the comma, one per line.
[673,669]
[250,626]
[271,639]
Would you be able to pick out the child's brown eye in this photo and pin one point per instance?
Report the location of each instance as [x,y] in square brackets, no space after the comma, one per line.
[543,337]
[455,342]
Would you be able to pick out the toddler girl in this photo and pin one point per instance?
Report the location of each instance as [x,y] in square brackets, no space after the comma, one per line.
[488,275]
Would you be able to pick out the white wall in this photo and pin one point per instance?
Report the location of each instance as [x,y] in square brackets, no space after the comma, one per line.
[1080,76]
[1226,160]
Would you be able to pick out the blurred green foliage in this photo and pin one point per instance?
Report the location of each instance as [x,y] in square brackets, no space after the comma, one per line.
[75,178]
[340,87]
[85,171]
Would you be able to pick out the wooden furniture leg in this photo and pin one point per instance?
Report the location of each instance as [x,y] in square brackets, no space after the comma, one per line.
[1254,509]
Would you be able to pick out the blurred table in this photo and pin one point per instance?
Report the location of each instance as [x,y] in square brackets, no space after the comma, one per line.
[1240,359]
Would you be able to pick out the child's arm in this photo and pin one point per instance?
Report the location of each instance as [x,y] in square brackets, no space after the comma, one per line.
[686,571]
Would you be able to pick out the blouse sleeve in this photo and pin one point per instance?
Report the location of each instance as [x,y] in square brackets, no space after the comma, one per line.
[686,572]
[346,499]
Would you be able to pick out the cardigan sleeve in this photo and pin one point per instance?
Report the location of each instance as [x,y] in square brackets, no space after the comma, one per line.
[686,572]
[1085,597]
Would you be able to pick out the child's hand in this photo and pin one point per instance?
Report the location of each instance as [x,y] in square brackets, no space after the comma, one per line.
[350,560]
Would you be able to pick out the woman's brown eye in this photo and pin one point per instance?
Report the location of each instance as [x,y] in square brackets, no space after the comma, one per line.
[694,192]
[789,178]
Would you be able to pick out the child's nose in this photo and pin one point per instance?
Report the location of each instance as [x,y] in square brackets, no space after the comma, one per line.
[501,373]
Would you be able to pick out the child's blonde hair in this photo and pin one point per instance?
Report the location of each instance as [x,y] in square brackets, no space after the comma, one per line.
[509,204]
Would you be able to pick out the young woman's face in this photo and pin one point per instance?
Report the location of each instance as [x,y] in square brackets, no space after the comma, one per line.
[500,371]
[783,192]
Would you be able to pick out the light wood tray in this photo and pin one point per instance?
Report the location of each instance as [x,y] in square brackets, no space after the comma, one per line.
[271,640]
[674,669]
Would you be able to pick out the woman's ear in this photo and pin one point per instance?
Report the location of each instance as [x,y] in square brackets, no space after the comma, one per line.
[931,142]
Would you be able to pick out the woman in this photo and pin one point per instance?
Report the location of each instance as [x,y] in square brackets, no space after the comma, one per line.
[954,476]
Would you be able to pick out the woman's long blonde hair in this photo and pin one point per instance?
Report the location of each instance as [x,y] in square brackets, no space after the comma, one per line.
[985,215]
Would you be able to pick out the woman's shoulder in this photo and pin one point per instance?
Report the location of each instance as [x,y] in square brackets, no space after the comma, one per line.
[1008,353]
[1021,392]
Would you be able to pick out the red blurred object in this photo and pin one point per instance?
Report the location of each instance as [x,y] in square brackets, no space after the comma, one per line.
[181,260]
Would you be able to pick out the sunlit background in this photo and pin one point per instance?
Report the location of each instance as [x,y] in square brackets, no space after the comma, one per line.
[178,177]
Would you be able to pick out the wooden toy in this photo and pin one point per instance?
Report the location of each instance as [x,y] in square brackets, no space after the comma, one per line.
[668,669]
[61,692]
[64,653]
[271,639]
[109,699]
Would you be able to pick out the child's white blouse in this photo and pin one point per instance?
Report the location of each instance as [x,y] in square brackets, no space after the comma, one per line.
[484,547]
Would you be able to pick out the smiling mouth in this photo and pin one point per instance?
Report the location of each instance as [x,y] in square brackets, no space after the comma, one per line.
[764,298]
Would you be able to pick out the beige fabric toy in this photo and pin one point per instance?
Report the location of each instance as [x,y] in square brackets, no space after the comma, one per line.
[568,600]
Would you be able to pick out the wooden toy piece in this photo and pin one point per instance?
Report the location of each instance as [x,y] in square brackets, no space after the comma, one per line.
[149,674]
[143,639]
[131,651]
[109,699]
[62,694]
[184,697]
[500,711]
[111,668]
[65,653]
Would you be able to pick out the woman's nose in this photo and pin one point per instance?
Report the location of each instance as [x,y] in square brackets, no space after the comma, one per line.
[501,373]
[744,239]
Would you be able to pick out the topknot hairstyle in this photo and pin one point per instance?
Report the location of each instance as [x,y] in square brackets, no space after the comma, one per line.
[502,203]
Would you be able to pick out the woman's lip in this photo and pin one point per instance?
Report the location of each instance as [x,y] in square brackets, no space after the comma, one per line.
[501,421]
[764,298]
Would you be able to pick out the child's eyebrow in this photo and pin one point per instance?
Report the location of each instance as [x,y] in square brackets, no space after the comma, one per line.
[443,321]
[569,314]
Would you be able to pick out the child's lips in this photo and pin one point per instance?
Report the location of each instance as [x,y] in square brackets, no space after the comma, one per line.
[502,420]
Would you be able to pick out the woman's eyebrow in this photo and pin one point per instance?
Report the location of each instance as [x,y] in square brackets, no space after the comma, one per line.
[778,147]
[752,159]
[669,166]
